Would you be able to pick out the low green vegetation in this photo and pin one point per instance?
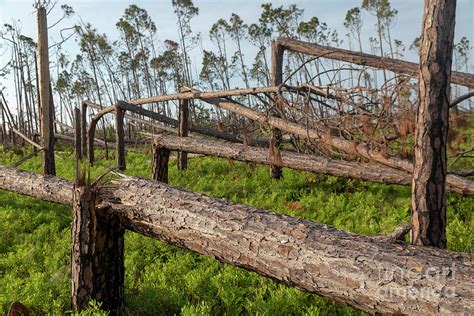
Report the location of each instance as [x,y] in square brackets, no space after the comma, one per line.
[164,280]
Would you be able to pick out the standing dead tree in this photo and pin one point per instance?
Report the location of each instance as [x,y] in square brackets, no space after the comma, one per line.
[45,100]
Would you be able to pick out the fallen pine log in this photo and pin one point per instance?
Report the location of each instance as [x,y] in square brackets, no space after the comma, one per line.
[395,65]
[374,276]
[312,163]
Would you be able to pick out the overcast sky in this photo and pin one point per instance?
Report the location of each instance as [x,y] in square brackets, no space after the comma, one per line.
[104,14]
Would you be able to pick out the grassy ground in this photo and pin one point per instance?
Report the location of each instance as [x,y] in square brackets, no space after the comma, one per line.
[161,279]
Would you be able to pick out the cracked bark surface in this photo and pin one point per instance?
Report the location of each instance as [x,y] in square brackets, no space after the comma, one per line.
[371,275]
[97,261]
[432,122]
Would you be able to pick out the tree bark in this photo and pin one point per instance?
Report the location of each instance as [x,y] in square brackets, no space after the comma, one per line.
[120,137]
[97,252]
[430,168]
[84,128]
[276,80]
[395,65]
[159,168]
[77,133]
[183,128]
[47,110]
[317,164]
[374,276]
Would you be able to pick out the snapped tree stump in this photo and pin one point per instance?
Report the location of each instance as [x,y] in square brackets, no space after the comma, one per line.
[97,252]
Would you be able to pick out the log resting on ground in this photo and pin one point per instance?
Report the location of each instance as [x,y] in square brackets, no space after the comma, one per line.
[334,167]
[370,275]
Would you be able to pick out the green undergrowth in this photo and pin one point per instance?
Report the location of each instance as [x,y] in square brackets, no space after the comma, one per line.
[165,280]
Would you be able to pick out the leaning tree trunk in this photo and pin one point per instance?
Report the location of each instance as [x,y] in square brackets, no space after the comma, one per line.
[430,167]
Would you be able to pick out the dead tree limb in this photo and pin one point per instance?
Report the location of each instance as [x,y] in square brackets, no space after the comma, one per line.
[370,275]
[395,65]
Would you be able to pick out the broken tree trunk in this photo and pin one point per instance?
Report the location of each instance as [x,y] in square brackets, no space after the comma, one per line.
[120,137]
[183,128]
[457,184]
[97,263]
[430,168]
[160,160]
[47,111]
[395,65]
[374,276]
[77,134]
[277,78]
[84,128]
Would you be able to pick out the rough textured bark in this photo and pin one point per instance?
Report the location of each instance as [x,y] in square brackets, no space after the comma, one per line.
[120,137]
[395,65]
[334,167]
[277,78]
[159,168]
[97,253]
[77,134]
[360,271]
[457,184]
[183,129]
[82,258]
[47,111]
[430,168]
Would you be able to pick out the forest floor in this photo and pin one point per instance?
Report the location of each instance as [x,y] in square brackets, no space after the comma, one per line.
[35,241]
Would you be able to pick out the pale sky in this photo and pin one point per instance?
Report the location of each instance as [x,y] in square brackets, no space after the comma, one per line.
[104,14]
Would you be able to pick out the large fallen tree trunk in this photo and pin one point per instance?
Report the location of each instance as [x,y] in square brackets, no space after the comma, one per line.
[334,167]
[395,65]
[370,275]
[455,183]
